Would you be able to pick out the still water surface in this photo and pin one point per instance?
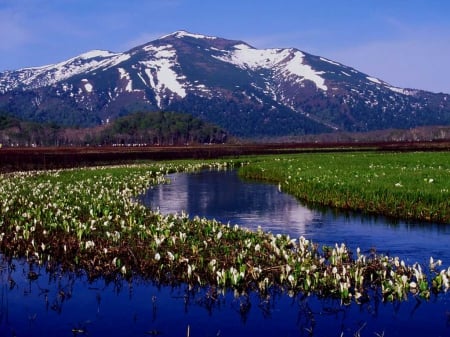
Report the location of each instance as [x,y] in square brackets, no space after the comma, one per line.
[69,305]
[224,196]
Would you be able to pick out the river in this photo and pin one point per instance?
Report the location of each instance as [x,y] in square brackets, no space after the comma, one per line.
[69,305]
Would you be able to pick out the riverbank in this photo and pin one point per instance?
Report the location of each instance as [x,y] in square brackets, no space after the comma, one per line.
[408,185]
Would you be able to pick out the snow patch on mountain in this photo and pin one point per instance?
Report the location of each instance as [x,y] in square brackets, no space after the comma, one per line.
[375,80]
[114,61]
[161,72]
[125,77]
[392,88]
[245,56]
[87,86]
[96,53]
[285,61]
[297,67]
[183,33]
[408,92]
[331,62]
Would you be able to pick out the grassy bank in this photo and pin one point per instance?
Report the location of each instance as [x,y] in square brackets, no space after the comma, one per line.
[413,185]
[89,220]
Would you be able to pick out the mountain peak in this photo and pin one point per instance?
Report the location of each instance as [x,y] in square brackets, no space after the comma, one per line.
[183,33]
[96,53]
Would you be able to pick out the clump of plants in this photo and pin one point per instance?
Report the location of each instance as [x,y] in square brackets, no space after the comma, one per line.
[90,220]
[413,185]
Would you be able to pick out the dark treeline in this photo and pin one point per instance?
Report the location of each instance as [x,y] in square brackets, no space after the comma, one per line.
[149,128]
[161,128]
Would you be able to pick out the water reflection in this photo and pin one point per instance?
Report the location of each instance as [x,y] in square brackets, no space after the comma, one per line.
[35,303]
[223,196]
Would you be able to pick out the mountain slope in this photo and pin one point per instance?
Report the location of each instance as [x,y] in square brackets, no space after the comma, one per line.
[250,92]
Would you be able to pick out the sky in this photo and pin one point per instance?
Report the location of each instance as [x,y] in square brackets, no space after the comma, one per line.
[403,42]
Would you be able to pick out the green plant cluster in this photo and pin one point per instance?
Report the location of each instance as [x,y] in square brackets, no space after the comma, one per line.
[413,185]
[162,128]
[90,220]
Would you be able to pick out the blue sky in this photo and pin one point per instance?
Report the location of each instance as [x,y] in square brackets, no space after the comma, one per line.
[404,42]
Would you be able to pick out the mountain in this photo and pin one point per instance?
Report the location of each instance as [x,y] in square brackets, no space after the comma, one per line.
[247,91]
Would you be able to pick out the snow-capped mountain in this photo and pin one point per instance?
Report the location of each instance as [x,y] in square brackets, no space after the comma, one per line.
[248,91]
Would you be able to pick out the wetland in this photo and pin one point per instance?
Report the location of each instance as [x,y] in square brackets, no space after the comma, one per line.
[82,236]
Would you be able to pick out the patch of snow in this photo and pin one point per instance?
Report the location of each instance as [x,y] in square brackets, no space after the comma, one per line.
[183,33]
[284,61]
[126,77]
[329,61]
[142,79]
[114,61]
[246,57]
[87,86]
[161,72]
[96,53]
[242,46]
[375,80]
[296,66]
[346,74]
[400,90]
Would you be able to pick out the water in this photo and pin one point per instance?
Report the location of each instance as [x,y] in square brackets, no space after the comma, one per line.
[68,305]
[225,197]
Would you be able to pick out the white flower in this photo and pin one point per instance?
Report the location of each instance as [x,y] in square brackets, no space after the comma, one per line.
[291,279]
[171,256]
[404,279]
[288,269]
[89,244]
[157,257]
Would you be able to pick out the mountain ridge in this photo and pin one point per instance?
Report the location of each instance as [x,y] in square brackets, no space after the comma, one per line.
[248,91]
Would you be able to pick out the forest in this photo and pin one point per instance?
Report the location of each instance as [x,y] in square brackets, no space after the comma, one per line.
[142,128]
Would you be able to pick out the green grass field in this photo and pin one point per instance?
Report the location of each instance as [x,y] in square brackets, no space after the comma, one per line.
[413,185]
